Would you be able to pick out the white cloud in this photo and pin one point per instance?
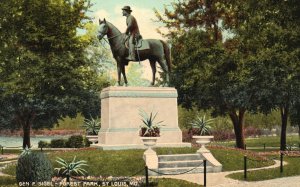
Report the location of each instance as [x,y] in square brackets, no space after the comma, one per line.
[100,14]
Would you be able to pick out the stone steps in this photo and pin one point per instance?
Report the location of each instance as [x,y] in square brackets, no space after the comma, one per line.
[183,170]
[185,163]
[182,163]
[179,157]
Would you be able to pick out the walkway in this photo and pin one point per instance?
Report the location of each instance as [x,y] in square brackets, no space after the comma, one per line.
[220,179]
[7,156]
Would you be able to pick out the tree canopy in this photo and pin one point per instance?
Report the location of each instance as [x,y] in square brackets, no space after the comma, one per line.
[255,69]
[45,71]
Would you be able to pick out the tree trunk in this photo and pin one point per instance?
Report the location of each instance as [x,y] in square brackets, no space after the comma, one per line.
[284,119]
[25,119]
[238,125]
[26,135]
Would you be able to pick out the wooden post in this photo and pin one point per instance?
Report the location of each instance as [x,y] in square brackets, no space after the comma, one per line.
[147,178]
[204,161]
[245,167]
[281,162]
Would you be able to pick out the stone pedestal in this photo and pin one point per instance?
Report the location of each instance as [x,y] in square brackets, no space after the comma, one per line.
[120,119]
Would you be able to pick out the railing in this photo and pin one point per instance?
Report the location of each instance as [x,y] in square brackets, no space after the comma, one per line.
[126,180]
[246,158]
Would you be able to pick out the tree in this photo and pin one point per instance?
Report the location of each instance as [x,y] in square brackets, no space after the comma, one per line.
[208,71]
[45,71]
[256,70]
[272,31]
[134,74]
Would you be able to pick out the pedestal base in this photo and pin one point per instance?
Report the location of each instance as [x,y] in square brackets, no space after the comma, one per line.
[120,119]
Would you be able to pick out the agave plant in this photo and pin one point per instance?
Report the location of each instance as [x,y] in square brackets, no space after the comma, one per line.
[92,126]
[25,151]
[201,125]
[72,168]
[149,128]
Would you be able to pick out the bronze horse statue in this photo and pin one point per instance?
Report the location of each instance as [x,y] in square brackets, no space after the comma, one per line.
[158,51]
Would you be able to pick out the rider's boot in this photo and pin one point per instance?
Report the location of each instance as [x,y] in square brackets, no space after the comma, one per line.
[131,56]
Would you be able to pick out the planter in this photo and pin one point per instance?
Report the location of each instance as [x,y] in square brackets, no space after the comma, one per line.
[150,155]
[149,141]
[92,138]
[203,140]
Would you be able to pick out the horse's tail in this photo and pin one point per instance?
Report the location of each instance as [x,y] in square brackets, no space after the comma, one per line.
[167,52]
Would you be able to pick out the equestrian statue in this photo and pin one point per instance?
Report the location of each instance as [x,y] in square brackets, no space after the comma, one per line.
[130,46]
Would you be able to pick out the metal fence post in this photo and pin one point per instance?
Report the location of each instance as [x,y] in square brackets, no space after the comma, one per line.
[245,146]
[2,150]
[281,162]
[264,147]
[204,163]
[147,178]
[245,167]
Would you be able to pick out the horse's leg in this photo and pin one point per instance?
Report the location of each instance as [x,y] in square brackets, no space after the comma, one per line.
[163,64]
[153,67]
[119,73]
[123,73]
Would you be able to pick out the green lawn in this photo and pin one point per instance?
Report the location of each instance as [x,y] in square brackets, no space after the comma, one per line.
[291,169]
[130,162]
[233,160]
[161,182]
[8,181]
[270,141]
[167,182]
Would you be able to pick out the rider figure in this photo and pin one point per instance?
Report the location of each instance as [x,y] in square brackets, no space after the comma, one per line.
[132,30]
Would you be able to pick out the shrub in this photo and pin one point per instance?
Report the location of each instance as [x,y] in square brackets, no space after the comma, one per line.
[220,135]
[33,167]
[186,136]
[75,142]
[92,126]
[43,144]
[252,131]
[58,143]
[86,142]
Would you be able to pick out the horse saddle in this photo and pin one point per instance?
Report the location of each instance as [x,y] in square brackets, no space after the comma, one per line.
[141,44]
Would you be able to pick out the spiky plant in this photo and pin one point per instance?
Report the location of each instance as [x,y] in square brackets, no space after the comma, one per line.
[92,126]
[149,128]
[70,169]
[201,125]
[25,151]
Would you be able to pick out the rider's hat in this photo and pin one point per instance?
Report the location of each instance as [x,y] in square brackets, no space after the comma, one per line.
[127,8]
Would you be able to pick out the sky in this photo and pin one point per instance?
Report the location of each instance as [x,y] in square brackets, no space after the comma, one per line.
[142,10]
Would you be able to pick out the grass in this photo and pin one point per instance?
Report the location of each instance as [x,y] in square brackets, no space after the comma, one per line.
[268,141]
[272,141]
[167,182]
[8,181]
[291,169]
[105,163]
[130,162]
[232,159]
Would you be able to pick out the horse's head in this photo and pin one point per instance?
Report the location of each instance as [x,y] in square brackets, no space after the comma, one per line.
[103,29]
